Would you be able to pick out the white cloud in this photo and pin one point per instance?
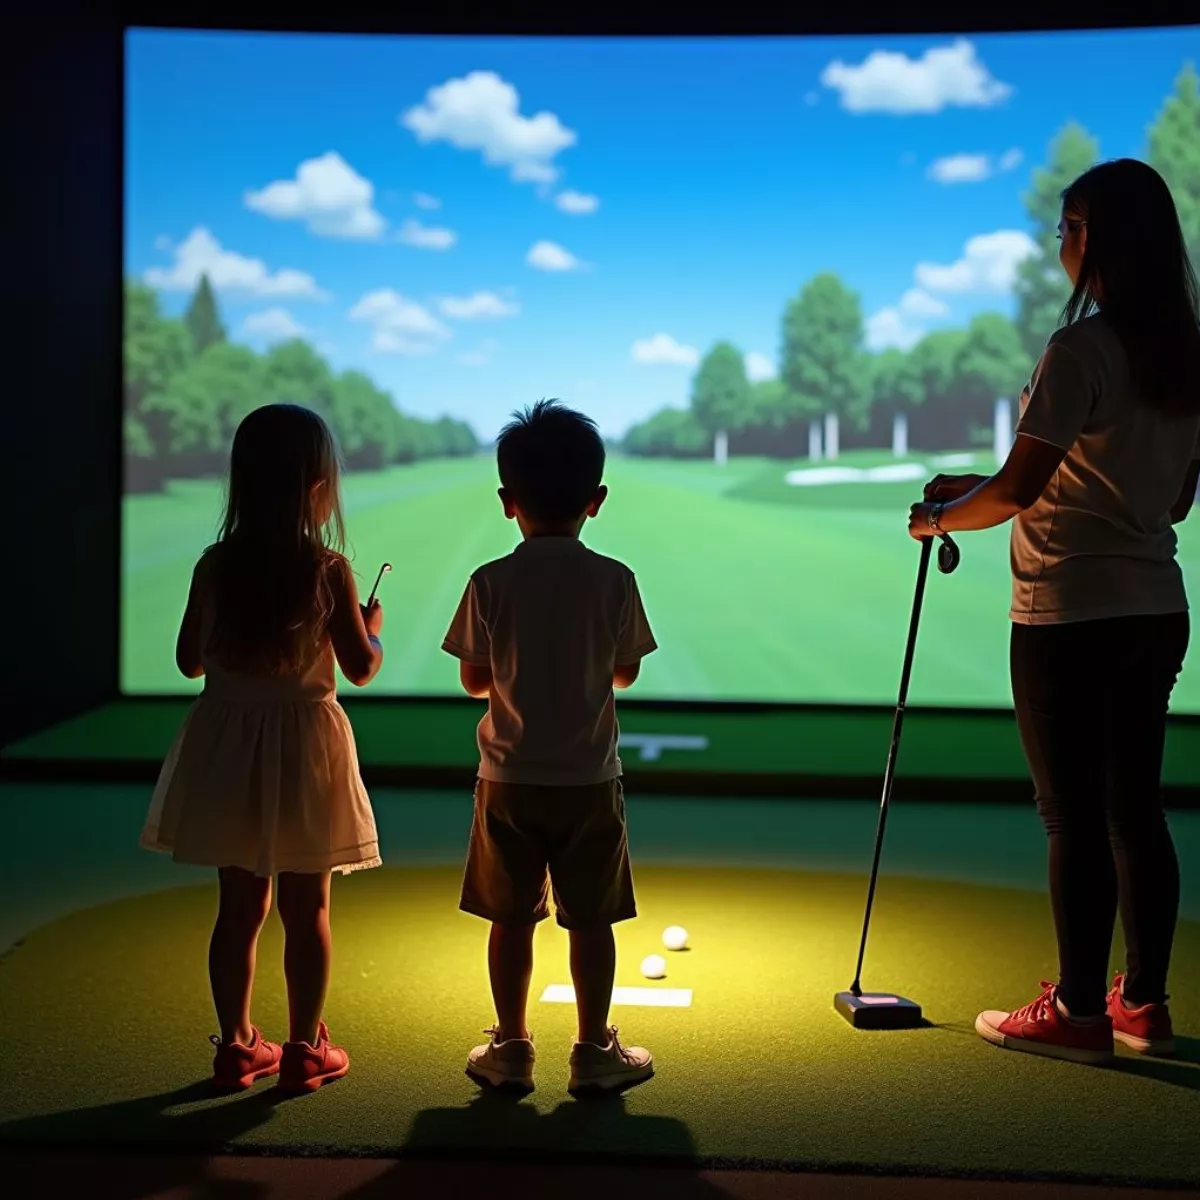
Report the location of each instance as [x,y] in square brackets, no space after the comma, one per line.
[481,355]
[1010,160]
[988,264]
[426,201]
[480,305]
[971,168]
[549,256]
[483,112]
[201,254]
[426,237]
[901,324]
[759,367]
[399,325]
[275,324]
[578,203]
[663,349]
[328,194]
[960,168]
[944,76]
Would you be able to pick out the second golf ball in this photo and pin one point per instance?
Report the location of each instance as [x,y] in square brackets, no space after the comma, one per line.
[675,937]
[654,966]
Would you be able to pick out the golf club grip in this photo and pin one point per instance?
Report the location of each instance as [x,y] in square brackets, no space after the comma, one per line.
[889,775]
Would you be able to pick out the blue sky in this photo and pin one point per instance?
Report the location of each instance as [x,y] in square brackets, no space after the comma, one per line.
[606,209]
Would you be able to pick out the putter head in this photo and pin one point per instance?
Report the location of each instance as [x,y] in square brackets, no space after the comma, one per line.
[878,1010]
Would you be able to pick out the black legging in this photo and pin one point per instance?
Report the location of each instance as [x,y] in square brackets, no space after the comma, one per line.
[1091,701]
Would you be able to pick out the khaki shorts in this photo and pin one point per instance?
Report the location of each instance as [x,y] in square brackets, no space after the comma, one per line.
[528,842]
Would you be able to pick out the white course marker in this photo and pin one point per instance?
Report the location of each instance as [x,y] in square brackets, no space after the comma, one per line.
[652,745]
[632,997]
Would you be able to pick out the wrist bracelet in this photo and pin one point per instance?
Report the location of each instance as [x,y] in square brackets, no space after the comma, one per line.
[935,517]
[374,641]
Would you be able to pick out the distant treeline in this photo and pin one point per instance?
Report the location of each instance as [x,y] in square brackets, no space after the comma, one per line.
[187,387]
[942,390]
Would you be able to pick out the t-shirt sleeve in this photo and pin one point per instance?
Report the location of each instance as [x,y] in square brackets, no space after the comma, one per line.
[468,638]
[1061,398]
[636,640]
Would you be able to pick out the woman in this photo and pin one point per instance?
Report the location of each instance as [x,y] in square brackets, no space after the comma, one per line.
[1104,464]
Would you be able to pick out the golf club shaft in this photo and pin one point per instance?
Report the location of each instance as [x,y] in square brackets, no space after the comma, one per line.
[378,580]
[889,775]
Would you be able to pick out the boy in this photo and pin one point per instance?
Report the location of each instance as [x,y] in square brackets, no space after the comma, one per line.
[545,634]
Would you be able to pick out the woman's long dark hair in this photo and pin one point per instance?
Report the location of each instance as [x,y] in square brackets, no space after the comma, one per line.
[1135,271]
[271,560]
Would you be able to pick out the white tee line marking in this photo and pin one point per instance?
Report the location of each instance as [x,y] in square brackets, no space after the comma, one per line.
[640,997]
[652,745]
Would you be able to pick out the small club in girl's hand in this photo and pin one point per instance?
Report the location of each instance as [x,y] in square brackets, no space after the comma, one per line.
[382,572]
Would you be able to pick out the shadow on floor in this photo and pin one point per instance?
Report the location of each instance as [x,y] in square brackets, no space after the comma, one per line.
[147,1123]
[513,1132]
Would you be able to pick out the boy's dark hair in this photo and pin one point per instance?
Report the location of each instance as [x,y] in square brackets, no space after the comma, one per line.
[551,460]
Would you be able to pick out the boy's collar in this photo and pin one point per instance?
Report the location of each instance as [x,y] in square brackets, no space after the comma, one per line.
[550,543]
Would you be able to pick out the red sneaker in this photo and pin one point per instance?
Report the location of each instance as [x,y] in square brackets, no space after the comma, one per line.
[1146,1029]
[1040,1028]
[237,1067]
[305,1068]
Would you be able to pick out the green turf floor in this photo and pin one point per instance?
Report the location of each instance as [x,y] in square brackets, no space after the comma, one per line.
[828,743]
[756,590]
[110,1008]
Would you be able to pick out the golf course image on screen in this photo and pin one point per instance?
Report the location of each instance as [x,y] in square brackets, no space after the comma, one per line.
[791,279]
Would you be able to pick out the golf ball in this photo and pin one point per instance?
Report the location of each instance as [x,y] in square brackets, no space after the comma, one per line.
[654,966]
[675,937]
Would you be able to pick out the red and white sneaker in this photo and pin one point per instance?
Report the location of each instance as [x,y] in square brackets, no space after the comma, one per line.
[237,1067]
[1146,1029]
[1041,1028]
[305,1068]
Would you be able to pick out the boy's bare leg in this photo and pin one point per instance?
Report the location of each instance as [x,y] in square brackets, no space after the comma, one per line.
[510,968]
[593,970]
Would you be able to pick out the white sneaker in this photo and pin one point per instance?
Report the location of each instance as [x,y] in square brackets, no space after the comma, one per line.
[503,1064]
[603,1068]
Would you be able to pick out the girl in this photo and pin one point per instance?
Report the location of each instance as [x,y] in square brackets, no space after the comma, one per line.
[263,777]
[1105,463]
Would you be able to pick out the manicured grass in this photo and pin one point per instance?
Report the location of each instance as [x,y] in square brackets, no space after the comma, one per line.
[110,1008]
[756,590]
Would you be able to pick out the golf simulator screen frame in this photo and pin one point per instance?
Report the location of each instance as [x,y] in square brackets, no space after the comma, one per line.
[776,364]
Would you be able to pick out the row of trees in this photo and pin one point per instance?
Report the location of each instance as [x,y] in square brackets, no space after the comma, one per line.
[187,387]
[940,394]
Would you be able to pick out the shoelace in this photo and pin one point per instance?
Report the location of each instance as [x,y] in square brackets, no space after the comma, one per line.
[622,1053]
[1039,1009]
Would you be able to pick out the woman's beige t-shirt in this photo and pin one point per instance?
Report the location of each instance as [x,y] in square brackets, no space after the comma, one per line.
[1099,541]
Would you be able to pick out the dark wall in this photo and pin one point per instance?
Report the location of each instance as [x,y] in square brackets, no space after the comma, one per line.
[58,584]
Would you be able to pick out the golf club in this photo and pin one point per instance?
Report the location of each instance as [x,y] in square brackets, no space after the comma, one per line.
[886,1010]
[382,572]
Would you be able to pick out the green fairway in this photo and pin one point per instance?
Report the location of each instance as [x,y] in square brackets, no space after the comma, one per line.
[757,589]
[758,1069]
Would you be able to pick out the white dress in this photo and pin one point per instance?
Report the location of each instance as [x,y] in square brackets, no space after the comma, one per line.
[263,775]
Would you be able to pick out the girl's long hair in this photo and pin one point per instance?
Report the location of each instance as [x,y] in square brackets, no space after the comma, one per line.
[281,534]
[1135,271]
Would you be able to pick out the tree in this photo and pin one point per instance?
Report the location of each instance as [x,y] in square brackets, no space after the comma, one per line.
[202,318]
[895,391]
[155,351]
[294,373]
[1041,287]
[824,367]
[670,432]
[992,366]
[366,422]
[1174,140]
[929,379]
[201,407]
[721,395]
